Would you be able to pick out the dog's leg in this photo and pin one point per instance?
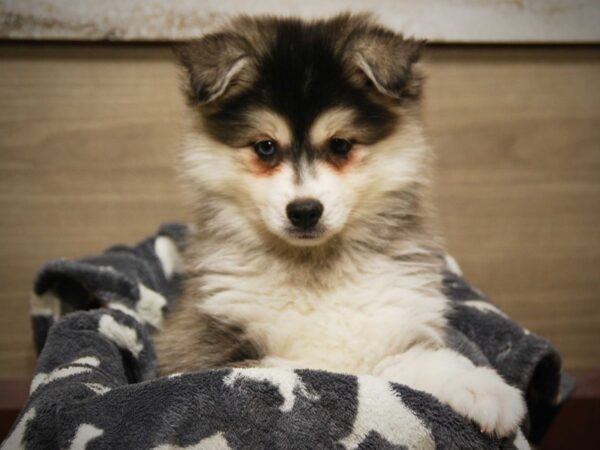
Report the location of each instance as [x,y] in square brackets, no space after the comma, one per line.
[193,341]
[477,393]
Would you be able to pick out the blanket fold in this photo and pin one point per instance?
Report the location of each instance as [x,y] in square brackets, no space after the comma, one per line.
[96,383]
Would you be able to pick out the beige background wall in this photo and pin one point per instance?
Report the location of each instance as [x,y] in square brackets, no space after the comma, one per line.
[89,132]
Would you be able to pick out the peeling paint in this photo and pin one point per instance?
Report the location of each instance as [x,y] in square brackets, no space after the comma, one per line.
[436,20]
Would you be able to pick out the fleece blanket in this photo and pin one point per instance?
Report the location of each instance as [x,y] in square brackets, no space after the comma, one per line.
[96,384]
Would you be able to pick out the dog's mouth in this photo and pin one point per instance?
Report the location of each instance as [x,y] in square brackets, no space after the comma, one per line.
[305,235]
[311,236]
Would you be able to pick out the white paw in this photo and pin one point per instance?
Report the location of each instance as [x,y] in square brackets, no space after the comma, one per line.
[483,396]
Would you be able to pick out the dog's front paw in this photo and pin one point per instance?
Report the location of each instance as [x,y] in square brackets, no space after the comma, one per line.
[483,396]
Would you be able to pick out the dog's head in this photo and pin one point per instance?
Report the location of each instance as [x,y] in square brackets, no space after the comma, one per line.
[304,130]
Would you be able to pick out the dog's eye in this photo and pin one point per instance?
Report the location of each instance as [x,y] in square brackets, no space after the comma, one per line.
[340,147]
[265,149]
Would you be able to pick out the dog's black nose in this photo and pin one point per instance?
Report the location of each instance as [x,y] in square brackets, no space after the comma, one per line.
[304,213]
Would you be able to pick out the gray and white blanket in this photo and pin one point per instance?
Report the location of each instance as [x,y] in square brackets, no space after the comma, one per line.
[96,383]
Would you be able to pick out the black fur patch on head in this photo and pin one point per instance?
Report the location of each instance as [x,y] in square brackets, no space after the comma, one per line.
[300,69]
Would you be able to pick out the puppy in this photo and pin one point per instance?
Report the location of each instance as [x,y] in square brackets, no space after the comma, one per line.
[309,179]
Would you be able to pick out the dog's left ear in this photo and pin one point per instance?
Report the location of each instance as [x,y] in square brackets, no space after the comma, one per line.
[214,64]
[386,59]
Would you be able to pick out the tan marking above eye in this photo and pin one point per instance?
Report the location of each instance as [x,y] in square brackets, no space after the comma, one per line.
[337,122]
[270,126]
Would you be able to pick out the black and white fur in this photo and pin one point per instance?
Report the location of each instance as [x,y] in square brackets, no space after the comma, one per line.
[358,292]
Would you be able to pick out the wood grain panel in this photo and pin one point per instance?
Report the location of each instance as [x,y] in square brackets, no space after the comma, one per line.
[518,141]
[87,143]
[89,133]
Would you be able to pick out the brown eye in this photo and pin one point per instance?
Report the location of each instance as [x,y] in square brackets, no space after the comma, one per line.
[340,147]
[265,150]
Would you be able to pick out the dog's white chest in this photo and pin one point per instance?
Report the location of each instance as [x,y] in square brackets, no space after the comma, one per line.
[345,329]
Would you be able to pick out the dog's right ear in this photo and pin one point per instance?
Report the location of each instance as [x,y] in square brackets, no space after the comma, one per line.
[385,58]
[214,64]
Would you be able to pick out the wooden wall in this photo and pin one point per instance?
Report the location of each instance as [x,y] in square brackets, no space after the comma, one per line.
[89,132]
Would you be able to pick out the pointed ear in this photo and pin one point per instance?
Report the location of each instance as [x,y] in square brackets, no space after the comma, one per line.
[214,64]
[386,59]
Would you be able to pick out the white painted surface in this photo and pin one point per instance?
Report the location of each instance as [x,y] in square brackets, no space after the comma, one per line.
[436,20]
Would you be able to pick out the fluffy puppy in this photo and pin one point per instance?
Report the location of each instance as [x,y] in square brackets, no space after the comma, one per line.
[308,174]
